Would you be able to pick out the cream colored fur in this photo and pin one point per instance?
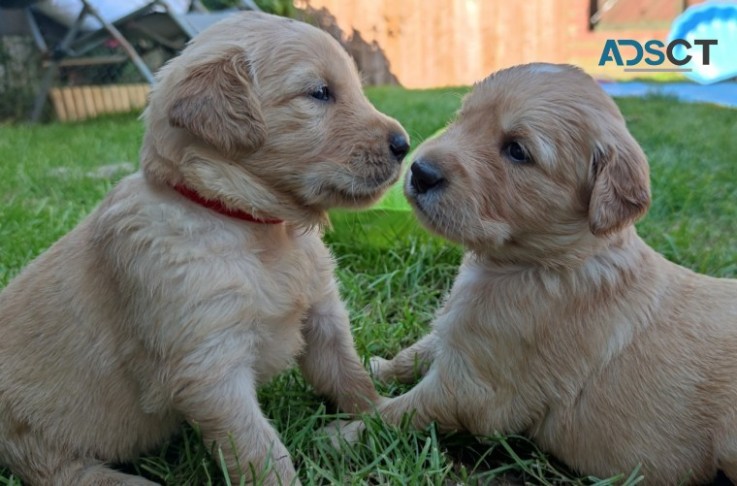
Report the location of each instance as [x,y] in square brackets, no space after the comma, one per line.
[562,323]
[156,310]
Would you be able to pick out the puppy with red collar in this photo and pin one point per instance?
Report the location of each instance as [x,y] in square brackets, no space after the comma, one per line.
[204,274]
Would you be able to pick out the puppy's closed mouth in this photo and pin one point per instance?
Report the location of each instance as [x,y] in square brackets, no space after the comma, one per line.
[429,211]
[362,190]
[426,216]
[417,200]
[355,195]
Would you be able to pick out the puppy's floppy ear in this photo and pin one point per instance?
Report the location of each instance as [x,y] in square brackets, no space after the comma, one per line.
[621,189]
[216,102]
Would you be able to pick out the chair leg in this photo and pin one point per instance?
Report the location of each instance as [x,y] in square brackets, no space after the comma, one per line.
[53,69]
[43,91]
[63,47]
[129,49]
[35,31]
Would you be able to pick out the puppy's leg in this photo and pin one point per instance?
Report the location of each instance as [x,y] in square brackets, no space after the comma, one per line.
[222,402]
[330,362]
[38,464]
[430,401]
[727,461]
[453,398]
[410,364]
[726,446]
[433,399]
[99,475]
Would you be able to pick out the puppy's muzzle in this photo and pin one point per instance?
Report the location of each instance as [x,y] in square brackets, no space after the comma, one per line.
[425,176]
[398,145]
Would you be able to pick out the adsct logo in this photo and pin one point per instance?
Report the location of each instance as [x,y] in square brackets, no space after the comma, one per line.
[652,56]
[701,44]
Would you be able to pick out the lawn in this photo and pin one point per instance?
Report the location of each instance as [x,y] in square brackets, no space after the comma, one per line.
[52,176]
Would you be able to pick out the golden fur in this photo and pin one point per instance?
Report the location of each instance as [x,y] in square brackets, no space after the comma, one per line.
[156,309]
[562,323]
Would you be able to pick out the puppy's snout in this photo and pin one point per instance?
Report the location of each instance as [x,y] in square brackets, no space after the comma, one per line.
[399,146]
[425,176]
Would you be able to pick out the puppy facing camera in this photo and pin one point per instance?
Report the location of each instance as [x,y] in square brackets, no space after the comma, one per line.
[563,324]
[204,274]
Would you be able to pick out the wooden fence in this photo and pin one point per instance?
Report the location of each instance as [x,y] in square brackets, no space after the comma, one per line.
[73,103]
[429,43]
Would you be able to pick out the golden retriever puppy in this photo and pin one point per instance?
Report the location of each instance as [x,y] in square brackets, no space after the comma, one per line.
[562,323]
[204,274]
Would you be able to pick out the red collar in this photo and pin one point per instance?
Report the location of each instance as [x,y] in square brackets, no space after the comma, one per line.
[219,207]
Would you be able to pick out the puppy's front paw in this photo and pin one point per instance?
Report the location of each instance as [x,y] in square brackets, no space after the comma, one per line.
[380,369]
[344,432]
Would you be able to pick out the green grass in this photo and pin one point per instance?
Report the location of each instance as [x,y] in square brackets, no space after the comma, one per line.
[48,183]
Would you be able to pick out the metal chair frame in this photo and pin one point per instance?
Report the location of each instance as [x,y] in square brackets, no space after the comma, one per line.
[75,45]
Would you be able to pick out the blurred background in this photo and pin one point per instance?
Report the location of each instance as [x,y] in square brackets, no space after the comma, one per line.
[412,43]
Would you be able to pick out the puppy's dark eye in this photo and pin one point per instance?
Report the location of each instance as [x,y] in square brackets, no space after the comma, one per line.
[322,93]
[516,153]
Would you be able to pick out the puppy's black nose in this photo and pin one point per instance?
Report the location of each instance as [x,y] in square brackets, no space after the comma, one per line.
[425,176]
[399,145]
